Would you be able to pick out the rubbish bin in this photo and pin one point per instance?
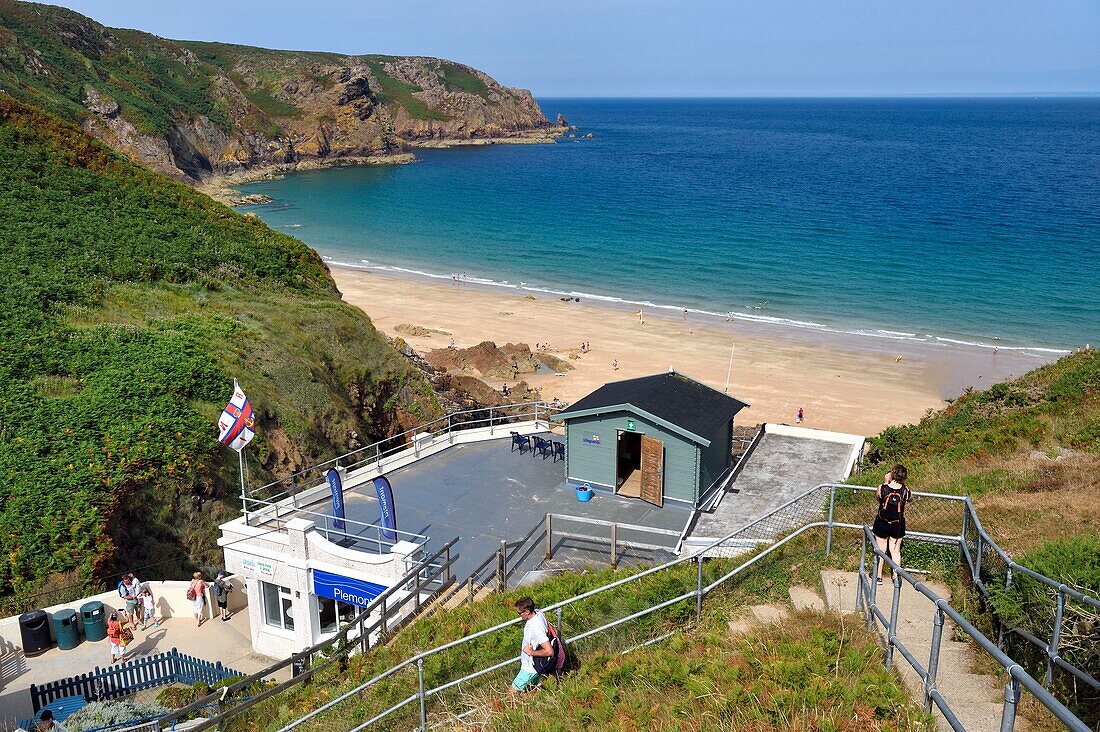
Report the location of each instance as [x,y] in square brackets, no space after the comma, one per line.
[34,630]
[65,629]
[95,620]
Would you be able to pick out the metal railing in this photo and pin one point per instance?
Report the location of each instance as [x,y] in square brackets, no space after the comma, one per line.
[432,574]
[828,499]
[993,571]
[616,536]
[1018,678]
[274,514]
[376,452]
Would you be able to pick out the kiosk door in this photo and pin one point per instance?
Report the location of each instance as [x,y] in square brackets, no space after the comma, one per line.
[653,471]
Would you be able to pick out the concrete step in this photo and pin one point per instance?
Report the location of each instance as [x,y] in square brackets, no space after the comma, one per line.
[767,614]
[805,598]
[840,590]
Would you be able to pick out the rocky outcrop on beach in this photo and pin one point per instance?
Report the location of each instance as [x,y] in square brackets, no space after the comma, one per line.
[489,361]
[197,110]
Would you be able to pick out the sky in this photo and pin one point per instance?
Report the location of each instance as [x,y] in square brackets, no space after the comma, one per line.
[665,48]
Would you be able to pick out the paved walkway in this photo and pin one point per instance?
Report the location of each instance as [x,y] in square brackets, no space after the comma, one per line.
[977,700]
[228,642]
[781,468]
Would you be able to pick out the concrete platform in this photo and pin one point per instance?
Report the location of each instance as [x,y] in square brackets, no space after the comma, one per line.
[484,493]
[781,468]
[228,642]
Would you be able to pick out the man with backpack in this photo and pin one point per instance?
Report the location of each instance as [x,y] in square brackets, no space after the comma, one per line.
[538,652]
[889,526]
[129,589]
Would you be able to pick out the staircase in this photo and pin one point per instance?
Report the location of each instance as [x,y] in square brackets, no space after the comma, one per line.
[976,699]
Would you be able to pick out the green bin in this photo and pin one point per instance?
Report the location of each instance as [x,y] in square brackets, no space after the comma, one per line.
[65,628]
[95,620]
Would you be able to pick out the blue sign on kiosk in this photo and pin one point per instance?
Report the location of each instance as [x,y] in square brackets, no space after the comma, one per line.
[345,589]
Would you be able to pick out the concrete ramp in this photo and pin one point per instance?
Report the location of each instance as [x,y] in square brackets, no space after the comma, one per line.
[784,464]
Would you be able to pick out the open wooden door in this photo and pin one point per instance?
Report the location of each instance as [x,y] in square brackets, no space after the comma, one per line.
[653,471]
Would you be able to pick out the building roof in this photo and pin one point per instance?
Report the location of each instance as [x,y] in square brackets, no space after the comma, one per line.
[684,405]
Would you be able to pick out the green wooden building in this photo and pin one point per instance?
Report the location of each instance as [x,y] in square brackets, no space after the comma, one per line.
[657,438]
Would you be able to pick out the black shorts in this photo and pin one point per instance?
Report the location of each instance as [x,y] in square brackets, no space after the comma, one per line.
[886,530]
[223,603]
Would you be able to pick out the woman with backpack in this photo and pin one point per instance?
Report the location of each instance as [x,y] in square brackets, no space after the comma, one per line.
[889,526]
[196,593]
[120,635]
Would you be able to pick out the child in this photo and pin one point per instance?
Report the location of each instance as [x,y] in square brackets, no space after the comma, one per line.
[149,606]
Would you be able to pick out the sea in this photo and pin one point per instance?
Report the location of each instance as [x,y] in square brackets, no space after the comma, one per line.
[955,221]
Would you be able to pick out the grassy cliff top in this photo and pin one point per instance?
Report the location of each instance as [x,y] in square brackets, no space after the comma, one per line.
[130,302]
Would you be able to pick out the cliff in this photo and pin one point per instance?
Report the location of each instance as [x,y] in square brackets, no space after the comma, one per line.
[130,303]
[193,110]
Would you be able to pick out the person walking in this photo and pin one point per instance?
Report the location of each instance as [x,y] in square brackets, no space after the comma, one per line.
[798,417]
[222,588]
[196,593]
[889,526]
[536,643]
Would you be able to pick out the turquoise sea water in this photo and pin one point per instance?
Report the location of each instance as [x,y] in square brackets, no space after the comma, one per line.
[928,220]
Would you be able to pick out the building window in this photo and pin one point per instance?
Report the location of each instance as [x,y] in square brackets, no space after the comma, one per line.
[278,606]
[332,613]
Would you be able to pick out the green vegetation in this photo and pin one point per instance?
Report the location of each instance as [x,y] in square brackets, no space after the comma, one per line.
[460,77]
[812,672]
[398,92]
[1026,452]
[130,303]
[143,73]
[271,106]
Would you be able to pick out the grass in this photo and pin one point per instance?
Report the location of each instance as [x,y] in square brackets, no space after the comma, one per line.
[814,672]
[398,92]
[131,302]
[462,78]
[272,106]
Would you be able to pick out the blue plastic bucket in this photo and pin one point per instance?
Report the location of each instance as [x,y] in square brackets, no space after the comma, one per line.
[584,493]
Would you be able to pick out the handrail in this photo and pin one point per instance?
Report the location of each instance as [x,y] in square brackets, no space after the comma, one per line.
[1012,565]
[1014,670]
[536,407]
[342,635]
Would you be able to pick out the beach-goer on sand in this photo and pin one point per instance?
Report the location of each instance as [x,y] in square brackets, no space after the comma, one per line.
[729,316]
[798,417]
[889,526]
[615,365]
[685,313]
[452,346]
[641,317]
[196,593]
[504,390]
[536,642]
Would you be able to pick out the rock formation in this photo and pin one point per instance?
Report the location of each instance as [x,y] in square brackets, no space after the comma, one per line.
[194,110]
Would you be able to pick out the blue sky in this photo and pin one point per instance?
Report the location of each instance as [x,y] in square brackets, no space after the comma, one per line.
[686,48]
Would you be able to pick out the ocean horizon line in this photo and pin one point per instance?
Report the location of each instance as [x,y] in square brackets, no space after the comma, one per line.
[961,96]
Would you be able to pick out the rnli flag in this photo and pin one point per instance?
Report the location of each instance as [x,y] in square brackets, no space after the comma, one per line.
[237,424]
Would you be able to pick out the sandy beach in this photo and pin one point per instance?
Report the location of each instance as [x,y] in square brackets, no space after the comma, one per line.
[843,384]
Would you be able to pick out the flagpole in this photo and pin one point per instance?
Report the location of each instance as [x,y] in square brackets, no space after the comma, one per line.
[730,369]
[244,504]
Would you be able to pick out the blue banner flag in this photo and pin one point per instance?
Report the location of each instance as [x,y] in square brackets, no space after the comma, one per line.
[385,505]
[335,477]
